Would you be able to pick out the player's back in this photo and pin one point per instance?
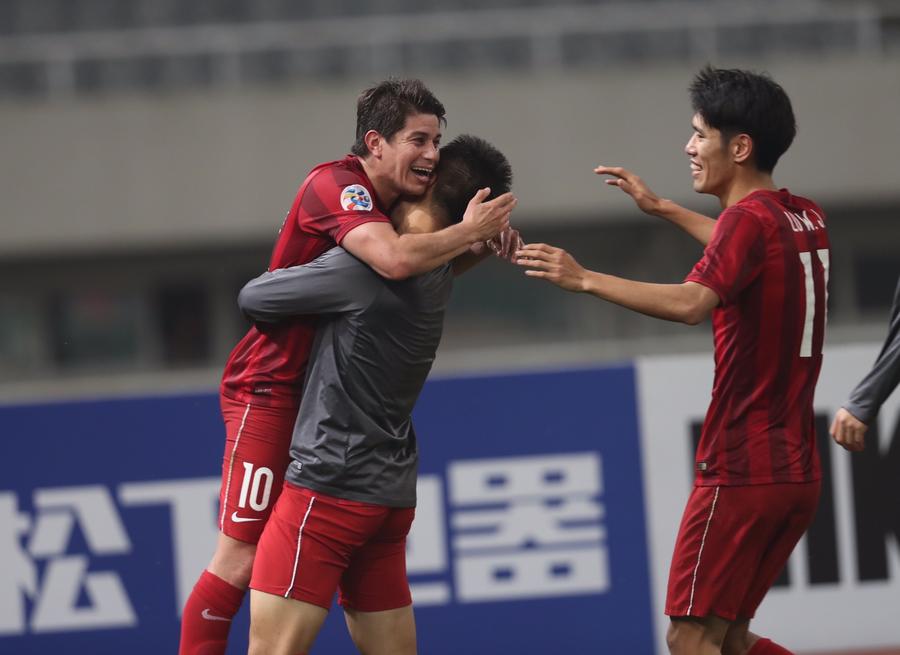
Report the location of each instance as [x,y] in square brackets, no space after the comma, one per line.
[354,436]
[769,333]
[268,365]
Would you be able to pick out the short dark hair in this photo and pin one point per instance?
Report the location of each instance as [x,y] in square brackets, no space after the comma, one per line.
[386,106]
[742,102]
[467,164]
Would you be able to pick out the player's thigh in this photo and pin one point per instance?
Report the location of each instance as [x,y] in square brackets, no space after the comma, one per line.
[308,544]
[376,579]
[724,536]
[389,632]
[283,626]
[797,503]
[255,458]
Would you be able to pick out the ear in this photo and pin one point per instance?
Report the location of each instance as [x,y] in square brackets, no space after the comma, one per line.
[741,148]
[374,142]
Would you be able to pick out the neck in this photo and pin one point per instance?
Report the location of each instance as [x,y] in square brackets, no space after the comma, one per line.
[415,217]
[382,186]
[744,184]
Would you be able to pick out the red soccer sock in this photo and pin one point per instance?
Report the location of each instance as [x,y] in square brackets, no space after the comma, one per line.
[768,647]
[207,616]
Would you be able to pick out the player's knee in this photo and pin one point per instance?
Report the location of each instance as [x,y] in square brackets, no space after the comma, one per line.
[678,638]
[687,637]
[394,646]
[737,642]
[233,562]
[260,641]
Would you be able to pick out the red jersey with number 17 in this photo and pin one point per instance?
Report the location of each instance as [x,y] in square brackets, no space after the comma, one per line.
[768,263]
[268,365]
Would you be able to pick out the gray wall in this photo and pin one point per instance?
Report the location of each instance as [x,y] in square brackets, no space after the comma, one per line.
[99,173]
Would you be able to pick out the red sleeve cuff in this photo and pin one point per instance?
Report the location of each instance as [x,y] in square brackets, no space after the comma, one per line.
[709,284]
[356,222]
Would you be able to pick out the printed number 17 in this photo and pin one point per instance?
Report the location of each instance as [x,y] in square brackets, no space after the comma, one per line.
[810,313]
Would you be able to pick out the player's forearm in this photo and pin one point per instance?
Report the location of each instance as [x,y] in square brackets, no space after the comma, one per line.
[697,225]
[670,302]
[420,253]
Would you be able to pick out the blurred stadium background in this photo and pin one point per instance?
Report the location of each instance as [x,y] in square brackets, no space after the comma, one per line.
[150,149]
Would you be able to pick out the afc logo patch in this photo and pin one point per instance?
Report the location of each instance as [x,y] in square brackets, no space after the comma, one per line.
[357,198]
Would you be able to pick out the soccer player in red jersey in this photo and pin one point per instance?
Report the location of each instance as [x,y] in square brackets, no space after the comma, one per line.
[763,277]
[344,202]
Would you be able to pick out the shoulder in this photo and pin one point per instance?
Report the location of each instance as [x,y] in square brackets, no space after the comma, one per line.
[341,185]
[809,205]
[350,269]
[341,172]
[439,279]
[744,215]
[339,259]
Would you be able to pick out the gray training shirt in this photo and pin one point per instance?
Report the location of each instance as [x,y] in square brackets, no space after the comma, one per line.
[374,347]
[868,396]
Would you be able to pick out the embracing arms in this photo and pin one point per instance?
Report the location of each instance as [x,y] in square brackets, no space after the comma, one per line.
[398,256]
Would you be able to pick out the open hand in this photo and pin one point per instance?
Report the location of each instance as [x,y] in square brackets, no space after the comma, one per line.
[488,219]
[552,264]
[644,198]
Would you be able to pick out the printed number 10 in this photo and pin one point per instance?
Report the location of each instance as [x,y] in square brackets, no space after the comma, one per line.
[256,502]
[810,313]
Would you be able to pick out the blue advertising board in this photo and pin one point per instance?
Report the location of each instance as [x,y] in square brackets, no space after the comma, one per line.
[530,532]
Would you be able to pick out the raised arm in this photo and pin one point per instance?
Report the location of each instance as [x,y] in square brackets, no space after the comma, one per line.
[697,225]
[335,282]
[397,257]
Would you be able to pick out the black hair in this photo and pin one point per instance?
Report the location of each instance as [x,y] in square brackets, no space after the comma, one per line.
[467,164]
[742,102]
[386,106]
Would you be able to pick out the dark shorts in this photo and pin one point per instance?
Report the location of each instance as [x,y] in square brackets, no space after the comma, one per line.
[315,544]
[733,544]
[257,445]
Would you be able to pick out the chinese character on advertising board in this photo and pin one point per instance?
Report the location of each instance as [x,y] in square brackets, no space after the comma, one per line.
[528,527]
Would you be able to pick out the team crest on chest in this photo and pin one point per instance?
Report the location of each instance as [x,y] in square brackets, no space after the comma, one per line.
[357,198]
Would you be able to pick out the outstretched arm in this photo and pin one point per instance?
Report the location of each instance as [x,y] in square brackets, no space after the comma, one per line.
[687,302]
[397,257]
[697,225]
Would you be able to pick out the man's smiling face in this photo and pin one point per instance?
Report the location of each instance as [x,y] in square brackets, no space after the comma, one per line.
[410,157]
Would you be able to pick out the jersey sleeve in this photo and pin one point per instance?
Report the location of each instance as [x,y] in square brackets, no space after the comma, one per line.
[734,256]
[335,202]
[334,283]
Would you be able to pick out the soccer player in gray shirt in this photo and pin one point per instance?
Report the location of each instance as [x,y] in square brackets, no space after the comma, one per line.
[852,420]
[350,491]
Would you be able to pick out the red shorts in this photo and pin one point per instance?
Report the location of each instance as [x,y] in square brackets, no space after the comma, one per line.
[733,544]
[315,544]
[257,445]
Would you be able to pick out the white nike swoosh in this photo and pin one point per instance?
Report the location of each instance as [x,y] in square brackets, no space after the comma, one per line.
[212,617]
[242,519]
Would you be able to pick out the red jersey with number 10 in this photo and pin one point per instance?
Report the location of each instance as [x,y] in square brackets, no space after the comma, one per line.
[768,263]
[268,365]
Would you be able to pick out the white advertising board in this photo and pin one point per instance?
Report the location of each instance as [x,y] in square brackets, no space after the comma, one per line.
[855,602]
